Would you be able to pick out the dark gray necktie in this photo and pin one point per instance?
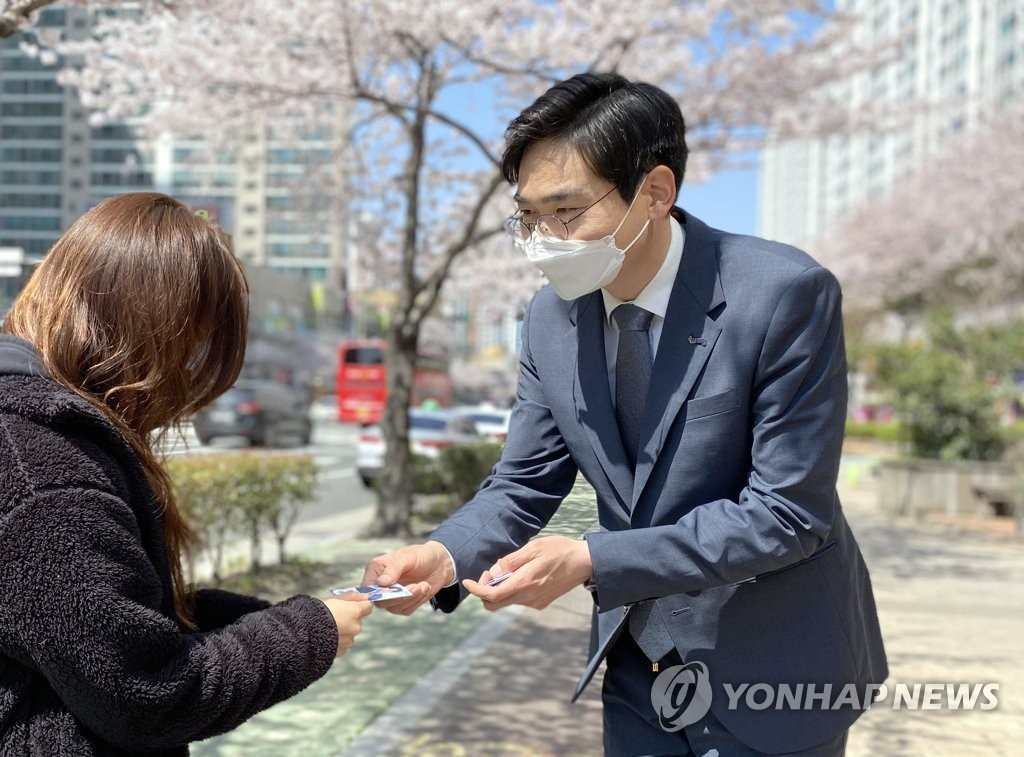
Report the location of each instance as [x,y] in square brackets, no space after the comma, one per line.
[633,365]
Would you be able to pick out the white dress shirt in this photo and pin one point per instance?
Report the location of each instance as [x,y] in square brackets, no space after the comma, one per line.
[653,298]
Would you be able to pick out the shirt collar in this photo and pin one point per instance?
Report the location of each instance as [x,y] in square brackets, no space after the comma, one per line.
[655,296]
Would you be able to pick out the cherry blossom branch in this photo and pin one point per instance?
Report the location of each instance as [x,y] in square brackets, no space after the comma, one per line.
[16,14]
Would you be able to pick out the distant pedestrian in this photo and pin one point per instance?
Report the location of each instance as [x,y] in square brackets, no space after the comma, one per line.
[134,320]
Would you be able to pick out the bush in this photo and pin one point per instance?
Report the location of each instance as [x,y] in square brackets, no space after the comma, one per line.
[889,431]
[946,409]
[942,391]
[455,475]
[1014,434]
[242,494]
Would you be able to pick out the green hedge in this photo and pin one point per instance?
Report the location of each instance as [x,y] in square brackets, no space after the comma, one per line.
[454,476]
[890,431]
[242,494]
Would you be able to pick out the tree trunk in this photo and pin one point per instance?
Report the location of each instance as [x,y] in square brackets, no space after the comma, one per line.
[280,550]
[394,492]
[217,556]
[254,548]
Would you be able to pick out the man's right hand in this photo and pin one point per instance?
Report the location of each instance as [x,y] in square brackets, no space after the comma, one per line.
[424,569]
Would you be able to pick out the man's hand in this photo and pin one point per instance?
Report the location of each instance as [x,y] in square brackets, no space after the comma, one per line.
[544,570]
[422,568]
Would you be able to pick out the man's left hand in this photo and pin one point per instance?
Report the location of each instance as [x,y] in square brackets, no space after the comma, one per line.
[542,571]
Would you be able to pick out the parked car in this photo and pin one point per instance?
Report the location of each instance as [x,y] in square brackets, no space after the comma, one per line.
[430,431]
[264,412]
[491,422]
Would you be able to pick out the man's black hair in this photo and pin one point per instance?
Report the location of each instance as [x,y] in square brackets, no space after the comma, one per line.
[622,129]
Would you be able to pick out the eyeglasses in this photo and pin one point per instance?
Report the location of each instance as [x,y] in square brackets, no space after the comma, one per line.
[550,227]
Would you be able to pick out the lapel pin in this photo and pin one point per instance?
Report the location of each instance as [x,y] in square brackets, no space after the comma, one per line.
[697,340]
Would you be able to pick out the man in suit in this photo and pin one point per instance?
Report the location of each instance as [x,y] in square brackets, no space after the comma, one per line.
[697,380]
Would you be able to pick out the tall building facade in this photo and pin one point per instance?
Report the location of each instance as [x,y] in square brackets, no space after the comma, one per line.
[967,55]
[54,166]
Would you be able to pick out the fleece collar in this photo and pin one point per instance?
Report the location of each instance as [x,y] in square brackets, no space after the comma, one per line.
[19,358]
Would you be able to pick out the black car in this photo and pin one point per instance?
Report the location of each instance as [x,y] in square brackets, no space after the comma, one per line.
[264,412]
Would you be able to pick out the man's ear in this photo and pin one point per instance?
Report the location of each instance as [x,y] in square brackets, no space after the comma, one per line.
[661,187]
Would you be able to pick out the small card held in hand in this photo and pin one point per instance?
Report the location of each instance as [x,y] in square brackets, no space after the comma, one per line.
[377,593]
[498,579]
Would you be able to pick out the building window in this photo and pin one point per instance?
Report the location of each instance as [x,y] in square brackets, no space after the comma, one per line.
[23,200]
[53,17]
[17,131]
[30,155]
[31,87]
[28,178]
[29,223]
[29,110]
[122,179]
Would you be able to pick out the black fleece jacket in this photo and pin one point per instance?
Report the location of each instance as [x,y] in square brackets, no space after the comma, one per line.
[92,658]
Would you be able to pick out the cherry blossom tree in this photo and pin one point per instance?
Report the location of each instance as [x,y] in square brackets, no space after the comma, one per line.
[15,14]
[424,92]
[951,232]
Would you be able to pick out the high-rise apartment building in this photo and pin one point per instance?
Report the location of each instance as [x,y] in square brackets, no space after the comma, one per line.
[54,166]
[965,55]
[45,168]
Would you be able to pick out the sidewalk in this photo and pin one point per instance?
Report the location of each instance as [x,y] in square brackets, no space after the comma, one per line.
[510,693]
[392,657]
[951,607]
[473,683]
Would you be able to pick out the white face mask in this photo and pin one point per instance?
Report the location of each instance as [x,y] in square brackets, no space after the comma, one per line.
[577,267]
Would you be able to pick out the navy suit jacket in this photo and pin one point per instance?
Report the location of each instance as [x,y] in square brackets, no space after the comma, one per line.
[731,520]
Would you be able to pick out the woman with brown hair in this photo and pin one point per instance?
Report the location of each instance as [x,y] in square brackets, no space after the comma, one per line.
[135,319]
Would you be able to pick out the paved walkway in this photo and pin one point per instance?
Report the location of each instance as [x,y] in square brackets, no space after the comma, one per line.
[950,602]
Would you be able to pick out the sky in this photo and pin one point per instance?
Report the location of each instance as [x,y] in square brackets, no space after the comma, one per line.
[727,201]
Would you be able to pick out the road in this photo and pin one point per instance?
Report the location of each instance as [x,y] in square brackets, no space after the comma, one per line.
[343,505]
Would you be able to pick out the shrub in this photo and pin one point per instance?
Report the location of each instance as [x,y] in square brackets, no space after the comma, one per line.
[946,410]
[889,431]
[455,475]
[942,390]
[241,494]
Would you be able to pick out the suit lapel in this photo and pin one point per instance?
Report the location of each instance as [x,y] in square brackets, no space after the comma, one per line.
[687,339]
[593,398]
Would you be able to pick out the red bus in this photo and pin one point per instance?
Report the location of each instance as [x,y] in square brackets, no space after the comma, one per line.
[362,382]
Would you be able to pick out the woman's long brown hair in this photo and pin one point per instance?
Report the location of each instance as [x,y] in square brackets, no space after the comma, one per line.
[141,308]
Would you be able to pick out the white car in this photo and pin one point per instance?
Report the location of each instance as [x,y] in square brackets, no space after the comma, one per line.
[430,431]
[491,422]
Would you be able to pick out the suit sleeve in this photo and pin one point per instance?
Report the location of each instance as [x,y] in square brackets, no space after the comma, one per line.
[786,510]
[533,476]
[80,608]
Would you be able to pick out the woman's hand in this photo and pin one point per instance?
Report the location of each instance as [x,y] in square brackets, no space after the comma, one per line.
[348,611]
